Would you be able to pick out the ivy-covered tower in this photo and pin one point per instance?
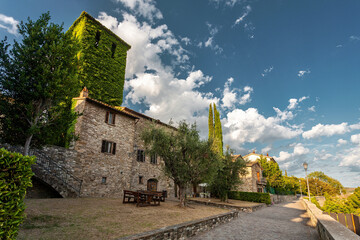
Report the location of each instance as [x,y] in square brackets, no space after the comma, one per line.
[102,59]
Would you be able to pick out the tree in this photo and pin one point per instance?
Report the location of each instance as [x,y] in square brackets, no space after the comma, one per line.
[333,182]
[228,175]
[187,159]
[37,83]
[211,123]
[215,130]
[272,173]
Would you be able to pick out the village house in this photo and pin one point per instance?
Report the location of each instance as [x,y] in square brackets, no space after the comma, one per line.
[253,180]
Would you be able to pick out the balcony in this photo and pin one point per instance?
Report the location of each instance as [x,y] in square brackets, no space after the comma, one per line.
[262,181]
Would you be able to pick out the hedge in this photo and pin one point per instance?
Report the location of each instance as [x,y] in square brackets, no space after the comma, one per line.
[15,177]
[250,196]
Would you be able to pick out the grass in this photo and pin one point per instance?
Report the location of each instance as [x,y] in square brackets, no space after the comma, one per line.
[99,218]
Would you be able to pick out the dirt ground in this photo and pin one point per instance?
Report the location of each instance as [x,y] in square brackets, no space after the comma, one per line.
[99,218]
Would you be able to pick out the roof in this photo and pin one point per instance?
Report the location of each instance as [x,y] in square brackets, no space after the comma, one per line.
[133,112]
[86,15]
[258,155]
[105,105]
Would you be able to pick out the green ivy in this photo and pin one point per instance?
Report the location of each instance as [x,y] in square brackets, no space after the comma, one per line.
[250,196]
[101,71]
[15,178]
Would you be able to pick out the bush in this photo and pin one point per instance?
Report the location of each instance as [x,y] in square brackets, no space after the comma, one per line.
[15,177]
[250,196]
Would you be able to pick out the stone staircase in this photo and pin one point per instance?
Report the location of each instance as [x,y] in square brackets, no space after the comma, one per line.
[51,172]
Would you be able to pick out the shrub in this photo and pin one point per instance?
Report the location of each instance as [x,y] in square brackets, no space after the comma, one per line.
[250,196]
[15,177]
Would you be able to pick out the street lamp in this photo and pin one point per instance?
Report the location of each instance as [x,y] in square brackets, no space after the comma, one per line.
[300,188]
[307,180]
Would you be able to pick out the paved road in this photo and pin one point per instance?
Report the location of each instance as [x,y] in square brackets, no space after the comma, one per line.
[280,221]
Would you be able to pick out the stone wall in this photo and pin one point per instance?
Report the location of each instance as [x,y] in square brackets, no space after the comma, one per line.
[187,229]
[327,227]
[282,198]
[249,181]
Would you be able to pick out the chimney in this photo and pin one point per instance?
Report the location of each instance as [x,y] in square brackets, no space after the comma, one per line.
[84,93]
[267,154]
[254,151]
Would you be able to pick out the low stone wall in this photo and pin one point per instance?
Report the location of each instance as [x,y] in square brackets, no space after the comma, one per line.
[327,227]
[282,198]
[231,207]
[185,230]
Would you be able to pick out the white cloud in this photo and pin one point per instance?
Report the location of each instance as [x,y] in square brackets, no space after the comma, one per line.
[250,126]
[267,71]
[230,96]
[312,109]
[355,138]
[339,46]
[210,42]
[9,24]
[354,38]
[243,16]
[329,130]
[351,157]
[301,73]
[144,8]
[266,149]
[322,155]
[293,102]
[341,142]
[299,150]
[228,3]
[186,40]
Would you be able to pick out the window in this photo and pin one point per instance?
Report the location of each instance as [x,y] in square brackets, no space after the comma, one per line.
[103,180]
[153,159]
[141,180]
[108,147]
[140,156]
[97,39]
[110,117]
[258,176]
[113,47]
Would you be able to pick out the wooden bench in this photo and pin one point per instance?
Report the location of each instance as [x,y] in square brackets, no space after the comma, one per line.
[131,196]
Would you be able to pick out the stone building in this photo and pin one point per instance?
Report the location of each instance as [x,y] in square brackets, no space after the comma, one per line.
[253,180]
[111,155]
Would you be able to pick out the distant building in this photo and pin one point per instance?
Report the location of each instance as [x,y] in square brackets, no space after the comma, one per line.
[253,180]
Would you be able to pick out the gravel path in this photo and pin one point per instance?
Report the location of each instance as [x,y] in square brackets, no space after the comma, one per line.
[280,221]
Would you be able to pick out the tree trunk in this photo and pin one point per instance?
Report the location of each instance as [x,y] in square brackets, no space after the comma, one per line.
[27,145]
[194,189]
[182,196]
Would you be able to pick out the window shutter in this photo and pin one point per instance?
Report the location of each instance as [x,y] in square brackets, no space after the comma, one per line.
[103,146]
[107,117]
[138,155]
[114,148]
[113,119]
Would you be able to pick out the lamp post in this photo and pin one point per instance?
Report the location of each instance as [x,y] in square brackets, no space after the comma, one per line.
[307,180]
[317,194]
[300,188]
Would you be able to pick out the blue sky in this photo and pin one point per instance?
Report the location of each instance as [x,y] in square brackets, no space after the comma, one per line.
[284,74]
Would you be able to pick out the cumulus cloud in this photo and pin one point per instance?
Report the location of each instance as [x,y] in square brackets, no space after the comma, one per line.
[293,102]
[329,130]
[232,97]
[250,126]
[312,109]
[299,150]
[301,73]
[186,40]
[322,155]
[350,157]
[341,142]
[265,150]
[9,24]
[355,138]
[267,71]
[247,10]
[144,8]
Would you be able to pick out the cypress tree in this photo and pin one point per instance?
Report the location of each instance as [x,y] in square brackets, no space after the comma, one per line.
[211,123]
[218,139]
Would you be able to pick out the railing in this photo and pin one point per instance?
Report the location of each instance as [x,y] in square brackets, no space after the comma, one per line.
[262,181]
[57,171]
[350,221]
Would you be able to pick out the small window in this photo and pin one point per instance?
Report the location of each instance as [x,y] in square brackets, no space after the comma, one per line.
[140,155]
[110,117]
[153,159]
[97,39]
[108,147]
[103,180]
[113,48]
[141,180]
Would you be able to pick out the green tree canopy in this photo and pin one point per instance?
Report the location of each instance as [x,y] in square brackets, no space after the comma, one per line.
[333,182]
[272,173]
[37,83]
[187,158]
[228,175]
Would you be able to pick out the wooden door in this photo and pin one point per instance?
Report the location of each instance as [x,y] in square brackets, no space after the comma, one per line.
[152,185]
